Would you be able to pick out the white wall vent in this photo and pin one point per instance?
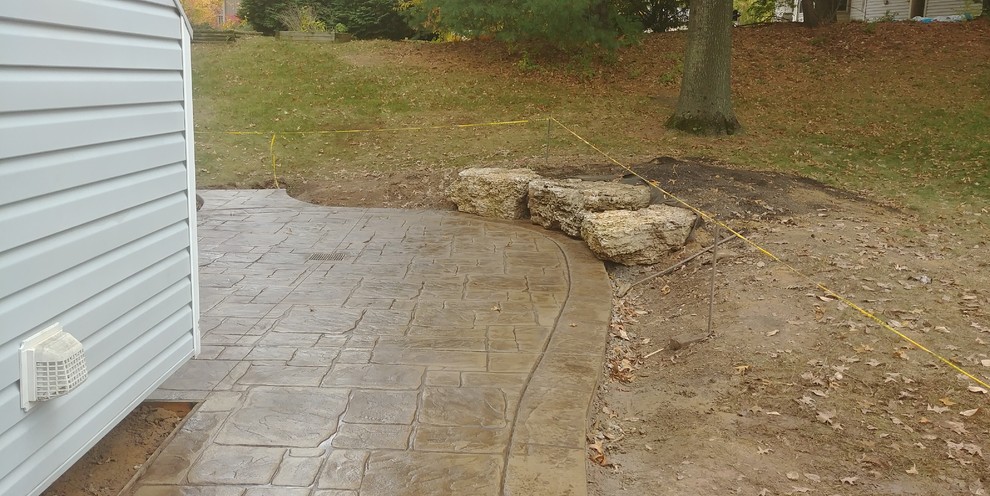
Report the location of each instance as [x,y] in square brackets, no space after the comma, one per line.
[52,364]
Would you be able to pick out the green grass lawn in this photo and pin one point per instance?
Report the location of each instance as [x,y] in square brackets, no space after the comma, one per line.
[900,111]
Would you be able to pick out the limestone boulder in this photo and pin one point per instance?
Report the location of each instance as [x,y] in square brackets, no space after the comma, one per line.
[639,237]
[492,192]
[563,203]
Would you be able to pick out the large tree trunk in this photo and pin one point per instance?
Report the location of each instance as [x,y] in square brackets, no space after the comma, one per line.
[705,102]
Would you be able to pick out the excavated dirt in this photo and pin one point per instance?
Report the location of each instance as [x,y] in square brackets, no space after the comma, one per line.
[107,468]
[795,392]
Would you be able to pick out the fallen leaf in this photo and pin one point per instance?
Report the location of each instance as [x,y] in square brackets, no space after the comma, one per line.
[819,313]
[913,470]
[969,413]
[598,453]
[977,389]
[813,477]
[742,369]
[763,451]
[773,332]
[793,475]
[967,447]
[947,402]
[849,480]
[957,427]
[938,409]
[826,417]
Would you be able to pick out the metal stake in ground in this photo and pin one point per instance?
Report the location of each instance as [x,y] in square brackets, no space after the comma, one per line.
[549,121]
[711,293]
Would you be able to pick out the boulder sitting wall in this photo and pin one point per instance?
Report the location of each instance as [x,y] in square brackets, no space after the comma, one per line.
[563,203]
[492,192]
[639,237]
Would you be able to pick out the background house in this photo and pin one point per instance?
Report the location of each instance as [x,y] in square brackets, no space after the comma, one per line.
[871,10]
[97,215]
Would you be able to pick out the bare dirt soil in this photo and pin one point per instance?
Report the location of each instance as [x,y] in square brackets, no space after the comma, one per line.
[107,468]
[795,392]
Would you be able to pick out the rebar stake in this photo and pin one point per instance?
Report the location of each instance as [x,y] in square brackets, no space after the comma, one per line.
[549,120]
[711,294]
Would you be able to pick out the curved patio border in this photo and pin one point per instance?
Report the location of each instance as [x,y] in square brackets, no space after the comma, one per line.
[540,446]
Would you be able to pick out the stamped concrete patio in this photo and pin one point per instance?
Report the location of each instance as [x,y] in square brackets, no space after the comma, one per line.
[384,352]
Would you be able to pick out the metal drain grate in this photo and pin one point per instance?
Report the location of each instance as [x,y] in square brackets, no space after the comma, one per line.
[331,257]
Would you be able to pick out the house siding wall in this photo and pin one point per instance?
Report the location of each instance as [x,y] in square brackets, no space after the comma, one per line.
[936,8]
[870,10]
[876,9]
[97,229]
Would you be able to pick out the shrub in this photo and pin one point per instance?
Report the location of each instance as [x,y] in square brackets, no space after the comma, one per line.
[371,18]
[363,18]
[566,25]
[301,18]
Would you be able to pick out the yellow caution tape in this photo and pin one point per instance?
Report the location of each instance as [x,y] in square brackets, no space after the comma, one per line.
[271,145]
[775,258]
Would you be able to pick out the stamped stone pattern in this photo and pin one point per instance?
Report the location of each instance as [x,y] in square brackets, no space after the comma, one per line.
[371,352]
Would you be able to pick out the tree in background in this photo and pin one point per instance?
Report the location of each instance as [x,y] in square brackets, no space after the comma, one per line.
[757,11]
[263,15]
[818,12]
[363,18]
[203,12]
[559,24]
[656,15]
[705,102]
[371,18]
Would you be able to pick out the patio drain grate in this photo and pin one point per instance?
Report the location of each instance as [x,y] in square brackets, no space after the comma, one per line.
[331,257]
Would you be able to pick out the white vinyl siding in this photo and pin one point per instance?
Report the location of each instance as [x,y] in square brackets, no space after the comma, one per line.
[876,9]
[97,216]
[937,8]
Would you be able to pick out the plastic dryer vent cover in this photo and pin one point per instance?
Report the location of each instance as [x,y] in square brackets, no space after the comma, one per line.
[53,363]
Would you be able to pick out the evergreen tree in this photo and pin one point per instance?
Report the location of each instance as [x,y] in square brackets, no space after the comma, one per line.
[562,24]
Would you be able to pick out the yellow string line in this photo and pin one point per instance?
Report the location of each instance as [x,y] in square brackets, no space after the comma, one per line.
[790,267]
[376,130]
[271,149]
